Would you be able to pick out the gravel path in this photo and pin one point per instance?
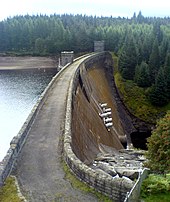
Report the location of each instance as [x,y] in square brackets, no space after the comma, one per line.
[39,170]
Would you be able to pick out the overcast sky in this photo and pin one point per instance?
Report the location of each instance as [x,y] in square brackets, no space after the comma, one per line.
[123,8]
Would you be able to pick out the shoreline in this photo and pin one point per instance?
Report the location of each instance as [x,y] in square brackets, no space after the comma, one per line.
[27,62]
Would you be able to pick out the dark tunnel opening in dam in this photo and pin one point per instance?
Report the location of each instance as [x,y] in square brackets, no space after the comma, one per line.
[139,139]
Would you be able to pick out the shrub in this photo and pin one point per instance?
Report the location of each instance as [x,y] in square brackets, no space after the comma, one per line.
[159,146]
[155,184]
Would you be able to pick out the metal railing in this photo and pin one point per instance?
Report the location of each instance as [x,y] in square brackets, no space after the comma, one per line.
[134,194]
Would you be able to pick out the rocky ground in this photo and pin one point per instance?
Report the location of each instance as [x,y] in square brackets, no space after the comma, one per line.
[120,164]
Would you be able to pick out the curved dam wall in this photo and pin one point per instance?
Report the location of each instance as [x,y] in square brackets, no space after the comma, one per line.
[91,89]
[85,132]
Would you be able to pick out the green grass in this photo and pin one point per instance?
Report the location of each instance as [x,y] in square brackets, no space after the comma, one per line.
[8,193]
[77,184]
[115,62]
[158,198]
[156,188]
[136,100]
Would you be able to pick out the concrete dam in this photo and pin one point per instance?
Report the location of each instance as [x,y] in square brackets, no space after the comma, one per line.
[94,150]
[79,118]
[91,89]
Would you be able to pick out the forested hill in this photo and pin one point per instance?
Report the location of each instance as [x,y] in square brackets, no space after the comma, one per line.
[142,43]
[55,33]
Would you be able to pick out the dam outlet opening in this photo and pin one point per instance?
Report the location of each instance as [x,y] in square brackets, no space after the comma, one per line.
[139,139]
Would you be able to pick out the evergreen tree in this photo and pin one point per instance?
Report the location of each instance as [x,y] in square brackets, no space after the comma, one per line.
[39,46]
[134,18]
[158,95]
[128,58]
[163,50]
[167,73]
[142,76]
[159,146]
[3,37]
[154,61]
[157,31]
[140,17]
[111,39]
[147,47]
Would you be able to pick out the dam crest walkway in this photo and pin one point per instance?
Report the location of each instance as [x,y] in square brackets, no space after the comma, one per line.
[39,166]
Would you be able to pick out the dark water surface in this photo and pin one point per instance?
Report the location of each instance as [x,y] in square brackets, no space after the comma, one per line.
[19,91]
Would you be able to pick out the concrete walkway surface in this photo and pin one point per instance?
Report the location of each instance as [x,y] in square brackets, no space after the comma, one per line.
[39,170]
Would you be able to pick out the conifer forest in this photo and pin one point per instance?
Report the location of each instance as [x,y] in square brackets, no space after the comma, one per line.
[142,44]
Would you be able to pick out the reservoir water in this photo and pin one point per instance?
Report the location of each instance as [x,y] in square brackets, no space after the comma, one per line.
[19,91]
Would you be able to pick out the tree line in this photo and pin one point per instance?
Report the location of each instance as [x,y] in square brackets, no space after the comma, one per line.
[141,43]
[144,57]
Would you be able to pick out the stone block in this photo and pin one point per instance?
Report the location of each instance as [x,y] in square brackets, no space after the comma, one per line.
[132,174]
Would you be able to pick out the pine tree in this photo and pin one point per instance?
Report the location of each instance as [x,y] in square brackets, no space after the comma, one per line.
[128,58]
[134,18]
[154,61]
[39,46]
[147,47]
[158,95]
[140,18]
[167,73]
[159,146]
[142,76]
[163,50]
[157,31]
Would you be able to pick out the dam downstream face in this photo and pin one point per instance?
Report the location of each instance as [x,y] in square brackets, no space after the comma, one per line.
[89,133]
[93,151]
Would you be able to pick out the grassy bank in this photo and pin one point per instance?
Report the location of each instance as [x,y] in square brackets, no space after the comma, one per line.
[8,193]
[136,98]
